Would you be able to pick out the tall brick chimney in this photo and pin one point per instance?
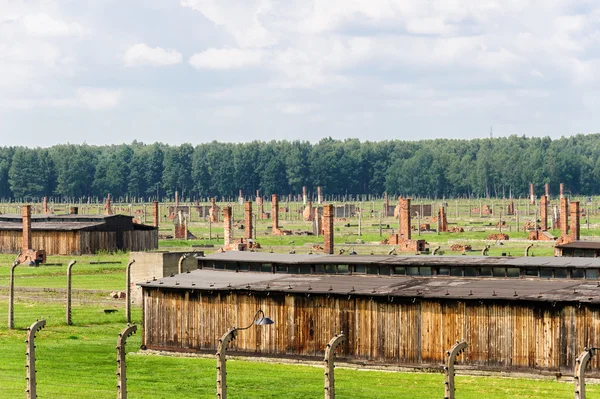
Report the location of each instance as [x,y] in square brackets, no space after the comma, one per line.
[108,206]
[176,200]
[386,204]
[241,197]
[531,194]
[562,190]
[575,225]
[544,212]
[227,226]
[328,229]
[442,220]
[155,214]
[564,217]
[318,221]
[304,195]
[319,195]
[405,230]
[275,212]
[45,206]
[26,214]
[248,219]
[547,189]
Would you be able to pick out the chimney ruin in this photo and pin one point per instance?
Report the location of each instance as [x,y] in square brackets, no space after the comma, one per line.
[319,195]
[248,219]
[531,194]
[227,227]
[328,229]
[155,214]
[304,195]
[26,214]
[564,217]
[562,190]
[574,234]
[275,213]
[108,206]
[544,212]
[404,214]
[547,189]
[45,206]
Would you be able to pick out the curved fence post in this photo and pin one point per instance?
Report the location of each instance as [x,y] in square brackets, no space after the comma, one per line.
[31,381]
[336,341]
[68,311]
[128,292]
[180,263]
[580,365]
[121,367]
[11,296]
[456,350]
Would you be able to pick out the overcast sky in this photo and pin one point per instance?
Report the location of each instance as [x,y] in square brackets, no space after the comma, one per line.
[175,71]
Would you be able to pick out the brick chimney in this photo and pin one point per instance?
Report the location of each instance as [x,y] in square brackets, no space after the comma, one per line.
[248,219]
[319,195]
[176,200]
[328,229]
[227,226]
[155,214]
[575,225]
[531,194]
[547,189]
[304,195]
[442,220]
[318,221]
[404,229]
[107,206]
[564,217]
[45,206]
[386,204]
[26,214]
[275,212]
[562,190]
[74,210]
[544,212]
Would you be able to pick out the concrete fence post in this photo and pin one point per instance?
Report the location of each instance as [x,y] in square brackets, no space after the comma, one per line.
[68,311]
[456,350]
[336,341]
[121,366]
[30,354]
[580,366]
[180,263]
[11,296]
[128,291]
[222,363]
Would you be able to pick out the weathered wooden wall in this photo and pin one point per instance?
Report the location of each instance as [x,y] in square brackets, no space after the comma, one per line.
[537,336]
[54,242]
[93,241]
[140,240]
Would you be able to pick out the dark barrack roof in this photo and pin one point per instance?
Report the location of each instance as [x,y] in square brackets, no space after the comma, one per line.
[404,260]
[534,289]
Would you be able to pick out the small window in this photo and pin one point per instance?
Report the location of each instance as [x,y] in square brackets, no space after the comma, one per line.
[513,272]
[425,271]
[372,270]
[532,272]
[591,274]
[342,269]
[470,272]
[577,273]
[230,266]
[443,271]
[456,272]
[400,270]
[293,269]
[266,268]
[330,269]
[412,271]
[254,267]
[560,273]
[219,265]
[546,273]
[319,269]
[385,270]
[485,272]
[281,269]
[243,267]
[499,272]
[360,269]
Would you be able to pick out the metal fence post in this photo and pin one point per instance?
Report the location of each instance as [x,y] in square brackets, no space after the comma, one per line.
[337,340]
[121,367]
[30,354]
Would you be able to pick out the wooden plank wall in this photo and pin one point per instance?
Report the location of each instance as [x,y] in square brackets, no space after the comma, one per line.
[501,335]
[140,240]
[54,242]
[93,241]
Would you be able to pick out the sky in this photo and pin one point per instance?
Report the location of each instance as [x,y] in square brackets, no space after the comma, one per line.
[194,71]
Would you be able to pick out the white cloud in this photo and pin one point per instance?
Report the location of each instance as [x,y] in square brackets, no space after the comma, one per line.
[43,25]
[97,98]
[141,54]
[225,58]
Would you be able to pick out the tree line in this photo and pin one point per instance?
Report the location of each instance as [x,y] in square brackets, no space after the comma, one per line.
[498,167]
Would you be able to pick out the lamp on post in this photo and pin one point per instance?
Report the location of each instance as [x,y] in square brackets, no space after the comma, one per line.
[222,347]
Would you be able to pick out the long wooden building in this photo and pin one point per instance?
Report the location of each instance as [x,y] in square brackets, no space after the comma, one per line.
[77,234]
[533,314]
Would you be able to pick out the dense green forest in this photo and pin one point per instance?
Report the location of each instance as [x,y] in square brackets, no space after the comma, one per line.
[496,167]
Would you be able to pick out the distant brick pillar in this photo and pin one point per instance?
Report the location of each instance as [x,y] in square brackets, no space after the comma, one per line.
[442,220]
[575,225]
[544,212]
[328,228]
[404,230]
[108,206]
[562,190]
[155,214]
[511,208]
[176,200]
[227,226]
[275,212]
[304,195]
[74,210]
[386,205]
[308,214]
[241,197]
[547,189]
[248,219]
[45,206]
[531,194]
[319,195]
[318,221]
[564,217]
[26,214]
